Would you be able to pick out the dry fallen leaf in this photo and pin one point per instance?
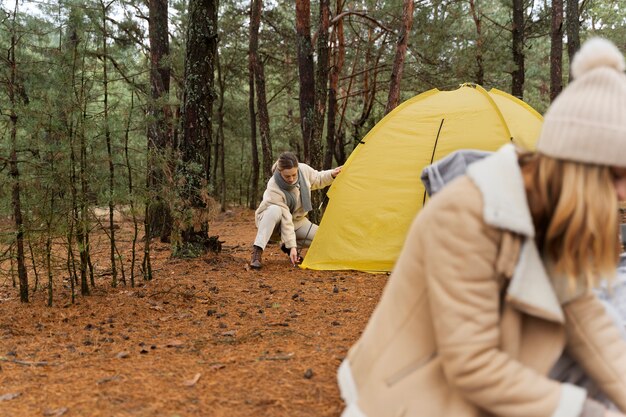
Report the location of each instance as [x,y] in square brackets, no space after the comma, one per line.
[193,381]
[55,413]
[175,343]
[107,379]
[9,396]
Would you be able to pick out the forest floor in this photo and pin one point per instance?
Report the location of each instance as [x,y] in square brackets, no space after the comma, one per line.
[206,337]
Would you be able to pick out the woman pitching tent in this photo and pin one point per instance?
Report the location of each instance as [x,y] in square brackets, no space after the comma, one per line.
[495,278]
[286,202]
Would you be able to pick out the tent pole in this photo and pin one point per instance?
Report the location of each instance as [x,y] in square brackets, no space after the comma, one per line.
[432,157]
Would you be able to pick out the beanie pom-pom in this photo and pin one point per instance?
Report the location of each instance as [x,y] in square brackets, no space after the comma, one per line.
[596,53]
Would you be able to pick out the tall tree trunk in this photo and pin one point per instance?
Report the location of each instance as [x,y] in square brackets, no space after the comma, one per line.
[480,69]
[321,85]
[333,82]
[75,222]
[219,157]
[338,58]
[398,63]
[259,81]
[71,264]
[107,136]
[573,30]
[517,83]
[131,191]
[295,137]
[49,252]
[196,121]
[254,167]
[14,172]
[51,191]
[160,141]
[321,94]
[306,74]
[72,129]
[146,263]
[82,233]
[334,139]
[34,263]
[216,143]
[340,145]
[556,49]
[79,187]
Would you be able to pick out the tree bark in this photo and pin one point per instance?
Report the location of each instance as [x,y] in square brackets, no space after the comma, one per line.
[306,74]
[315,158]
[259,81]
[16,199]
[146,263]
[333,84]
[196,121]
[480,69]
[82,232]
[398,63]
[82,215]
[556,49]
[334,138]
[517,82]
[159,134]
[321,85]
[71,134]
[573,30]
[219,154]
[131,191]
[107,137]
[255,165]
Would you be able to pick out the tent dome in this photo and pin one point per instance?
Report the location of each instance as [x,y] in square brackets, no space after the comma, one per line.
[374,200]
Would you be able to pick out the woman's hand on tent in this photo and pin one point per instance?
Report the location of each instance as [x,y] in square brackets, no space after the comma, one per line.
[336,171]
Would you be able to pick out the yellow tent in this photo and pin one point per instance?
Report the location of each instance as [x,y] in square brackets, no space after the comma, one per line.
[374,200]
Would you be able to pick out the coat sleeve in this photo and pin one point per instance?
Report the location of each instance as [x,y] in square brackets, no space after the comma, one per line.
[596,344]
[319,179]
[464,296]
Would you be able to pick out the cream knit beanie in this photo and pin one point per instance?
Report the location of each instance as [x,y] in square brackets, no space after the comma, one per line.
[587,121]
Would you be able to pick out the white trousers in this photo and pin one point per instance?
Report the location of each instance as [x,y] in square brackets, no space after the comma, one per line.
[269,229]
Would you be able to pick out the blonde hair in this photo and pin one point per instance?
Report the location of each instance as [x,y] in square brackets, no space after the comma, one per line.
[575,210]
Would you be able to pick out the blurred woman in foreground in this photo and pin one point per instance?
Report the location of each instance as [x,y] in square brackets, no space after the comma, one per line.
[495,277]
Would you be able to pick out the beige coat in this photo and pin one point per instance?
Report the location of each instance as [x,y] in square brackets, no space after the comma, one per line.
[469,323]
[273,195]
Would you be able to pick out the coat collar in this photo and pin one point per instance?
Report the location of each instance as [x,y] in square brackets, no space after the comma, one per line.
[500,182]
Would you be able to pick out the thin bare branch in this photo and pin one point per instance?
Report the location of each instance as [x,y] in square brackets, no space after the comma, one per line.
[360,14]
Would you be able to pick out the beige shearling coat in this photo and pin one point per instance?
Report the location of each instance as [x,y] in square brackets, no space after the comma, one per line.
[470,323]
[273,195]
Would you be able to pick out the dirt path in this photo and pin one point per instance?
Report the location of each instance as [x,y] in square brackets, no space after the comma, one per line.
[206,337]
